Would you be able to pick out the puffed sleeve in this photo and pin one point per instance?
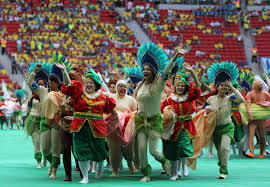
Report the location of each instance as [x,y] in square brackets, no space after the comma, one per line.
[74,90]
[193,92]
[109,104]
[164,104]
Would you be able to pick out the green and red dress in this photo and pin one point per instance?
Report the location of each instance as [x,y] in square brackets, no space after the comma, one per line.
[88,126]
[180,143]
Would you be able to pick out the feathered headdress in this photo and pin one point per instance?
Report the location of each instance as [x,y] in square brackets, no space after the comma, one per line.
[135,74]
[205,80]
[44,73]
[222,71]
[19,93]
[246,80]
[151,54]
[56,71]
[179,65]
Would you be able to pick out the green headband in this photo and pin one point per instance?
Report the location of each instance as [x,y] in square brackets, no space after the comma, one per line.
[91,74]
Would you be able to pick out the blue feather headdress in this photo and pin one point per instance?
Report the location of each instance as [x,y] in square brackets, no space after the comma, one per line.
[135,74]
[44,73]
[56,71]
[151,54]
[222,71]
[179,65]
[246,80]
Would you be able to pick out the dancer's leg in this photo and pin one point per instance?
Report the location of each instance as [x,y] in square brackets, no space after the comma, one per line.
[174,170]
[115,156]
[225,154]
[36,143]
[153,149]
[252,127]
[84,166]
[100,168]
[46,147]
[56,150]
[261,130]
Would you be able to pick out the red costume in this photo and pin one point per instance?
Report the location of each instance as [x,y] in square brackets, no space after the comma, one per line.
[204,96]
[88,109]
[184,108]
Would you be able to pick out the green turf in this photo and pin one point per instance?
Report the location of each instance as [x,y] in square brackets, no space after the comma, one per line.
[18,168]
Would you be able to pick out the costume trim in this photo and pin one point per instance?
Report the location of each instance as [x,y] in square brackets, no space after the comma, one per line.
[87,115]
[178,98]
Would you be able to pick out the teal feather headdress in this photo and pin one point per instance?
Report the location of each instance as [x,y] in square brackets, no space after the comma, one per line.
[222,71]
[179,65]
[135,74]
[246,80]
[45,71]
[151,54]
[20,93]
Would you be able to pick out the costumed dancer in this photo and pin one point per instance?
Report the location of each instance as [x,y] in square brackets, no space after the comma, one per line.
[156,69]
[88,126]
[117,142]
[33,120]
[3,107]
[178,146]
[135,75]
[222,75]
[18,113]
[257,110]
[240,129]
[52,138]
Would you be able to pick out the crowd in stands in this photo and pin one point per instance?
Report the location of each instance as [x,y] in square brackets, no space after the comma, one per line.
[192,29]
[92,33]
[87,32]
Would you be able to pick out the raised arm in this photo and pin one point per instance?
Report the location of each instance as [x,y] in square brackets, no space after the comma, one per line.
[238,97]
[193,75]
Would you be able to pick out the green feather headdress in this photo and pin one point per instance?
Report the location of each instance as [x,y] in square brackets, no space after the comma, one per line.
[222,71]
[61,60]
[151,54]
[135,74]
[246,80]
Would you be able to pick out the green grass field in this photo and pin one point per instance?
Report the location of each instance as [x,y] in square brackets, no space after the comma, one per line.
[18,168]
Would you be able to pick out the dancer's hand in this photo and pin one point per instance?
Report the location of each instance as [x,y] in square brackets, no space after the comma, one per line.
[183,51]
[188,68]
[61,66]
[229,83]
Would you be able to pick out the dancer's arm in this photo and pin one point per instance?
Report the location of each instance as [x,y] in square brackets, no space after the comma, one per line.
[193,75]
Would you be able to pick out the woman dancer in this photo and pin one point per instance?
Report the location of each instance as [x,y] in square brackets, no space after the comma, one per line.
[42,93]
[222,74]
[179,146]
[88,126]
[33,120]
[124,104]
[154,63]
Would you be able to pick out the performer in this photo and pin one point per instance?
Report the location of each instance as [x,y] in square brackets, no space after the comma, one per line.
[3,107]
[33,120]
[154,62]
[259,97]
[88,126]
[135,75]
[112,84]
[50,139]
[41,92]
[179,146]
[124,104]
[222,74]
